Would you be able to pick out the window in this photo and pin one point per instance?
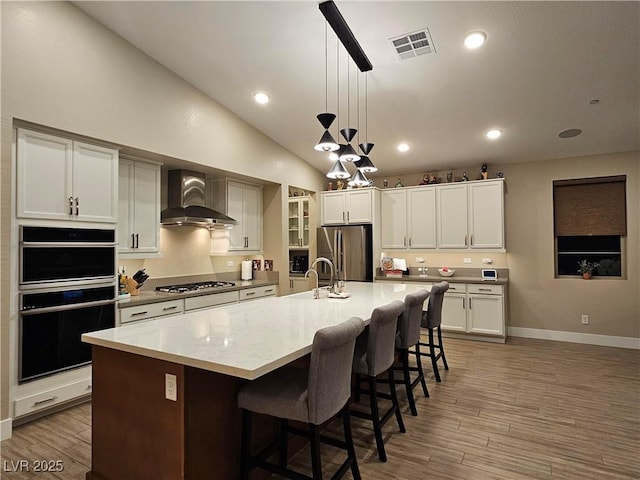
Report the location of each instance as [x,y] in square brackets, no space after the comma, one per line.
[590,223]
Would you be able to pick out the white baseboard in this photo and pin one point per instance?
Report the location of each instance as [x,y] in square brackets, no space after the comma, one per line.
[573,337]
[5,429]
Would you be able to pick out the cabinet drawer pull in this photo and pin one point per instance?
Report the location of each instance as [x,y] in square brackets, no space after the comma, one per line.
[250,293]
[169,308]
[269,290]
[46,400]
[137,314]
[485,289]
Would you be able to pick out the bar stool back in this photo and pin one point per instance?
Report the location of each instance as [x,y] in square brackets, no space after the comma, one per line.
[311,396]
[432,320]
[374,355]
[409,337]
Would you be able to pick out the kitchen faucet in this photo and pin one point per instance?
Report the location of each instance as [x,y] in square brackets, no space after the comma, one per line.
[327,261]
[316,293]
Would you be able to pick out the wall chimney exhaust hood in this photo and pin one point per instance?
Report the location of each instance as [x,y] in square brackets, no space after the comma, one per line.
[186,193]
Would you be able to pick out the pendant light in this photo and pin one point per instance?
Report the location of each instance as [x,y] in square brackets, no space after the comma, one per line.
[326,142]
[349,154]
[338,171]
[366,165]
[359,179]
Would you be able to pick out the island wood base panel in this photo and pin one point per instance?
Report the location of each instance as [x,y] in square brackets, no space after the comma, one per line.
[138,434]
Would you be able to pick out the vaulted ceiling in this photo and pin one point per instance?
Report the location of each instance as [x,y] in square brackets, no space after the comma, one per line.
[545,67]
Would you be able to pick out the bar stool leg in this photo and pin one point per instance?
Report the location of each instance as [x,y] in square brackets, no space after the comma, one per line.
[434,357]
[375,416]
[245,449]
[420,372]
[394,400]
[444,359]
[348,438]
[284,442]
[407,381]
[316,464]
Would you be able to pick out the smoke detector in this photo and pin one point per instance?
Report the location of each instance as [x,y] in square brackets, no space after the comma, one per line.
[413,44]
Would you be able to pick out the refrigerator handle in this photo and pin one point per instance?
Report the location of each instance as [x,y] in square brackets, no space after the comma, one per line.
[345,262]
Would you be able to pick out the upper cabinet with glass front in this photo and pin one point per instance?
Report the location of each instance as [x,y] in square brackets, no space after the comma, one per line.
[298,218]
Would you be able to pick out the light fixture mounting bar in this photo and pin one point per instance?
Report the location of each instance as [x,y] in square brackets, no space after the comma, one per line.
[344,33]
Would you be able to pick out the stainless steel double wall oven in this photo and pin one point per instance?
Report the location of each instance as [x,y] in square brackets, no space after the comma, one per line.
[67,287]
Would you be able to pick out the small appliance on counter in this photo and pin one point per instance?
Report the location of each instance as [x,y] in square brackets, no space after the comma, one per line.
[300,264]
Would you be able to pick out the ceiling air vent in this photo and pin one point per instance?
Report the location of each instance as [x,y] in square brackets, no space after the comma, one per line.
[413,44]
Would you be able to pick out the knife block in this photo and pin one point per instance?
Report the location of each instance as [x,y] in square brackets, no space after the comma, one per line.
[132,287]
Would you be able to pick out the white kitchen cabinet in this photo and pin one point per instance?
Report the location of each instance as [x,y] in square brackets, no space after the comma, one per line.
[208,301]
[297,285]
[298,217]
[32,403]
[486,214]
[243,203]
[474,308]
[139,208]
[347,206]
[408,218]
[150,310]
[471,215]
[63,179]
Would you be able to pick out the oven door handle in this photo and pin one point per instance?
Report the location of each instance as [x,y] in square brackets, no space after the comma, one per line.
[67,244]
[72,306]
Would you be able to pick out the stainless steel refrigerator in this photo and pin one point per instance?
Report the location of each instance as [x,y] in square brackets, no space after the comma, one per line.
[350,248]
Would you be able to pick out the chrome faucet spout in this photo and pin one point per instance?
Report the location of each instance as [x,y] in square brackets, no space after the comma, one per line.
[328,262]
[316,293]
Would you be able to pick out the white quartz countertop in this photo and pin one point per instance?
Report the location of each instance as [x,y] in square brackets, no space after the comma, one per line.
[249,339]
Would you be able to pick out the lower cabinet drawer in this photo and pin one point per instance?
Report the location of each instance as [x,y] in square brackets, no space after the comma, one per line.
[257,292]
[484,289]
[49,398]
[151,310]
[204,301]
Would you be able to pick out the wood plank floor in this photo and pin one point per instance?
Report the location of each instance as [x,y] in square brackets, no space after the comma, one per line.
[529,409]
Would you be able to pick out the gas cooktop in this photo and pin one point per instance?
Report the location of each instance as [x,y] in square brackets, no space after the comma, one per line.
[193,287]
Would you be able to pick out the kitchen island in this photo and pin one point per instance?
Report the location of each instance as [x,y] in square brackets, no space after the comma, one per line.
[137,433]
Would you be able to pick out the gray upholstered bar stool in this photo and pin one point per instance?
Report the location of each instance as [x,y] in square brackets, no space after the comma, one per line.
[409,337]
[311,396]
[374,355]
[432,320]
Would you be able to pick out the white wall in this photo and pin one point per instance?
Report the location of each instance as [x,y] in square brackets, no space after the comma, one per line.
[63,70]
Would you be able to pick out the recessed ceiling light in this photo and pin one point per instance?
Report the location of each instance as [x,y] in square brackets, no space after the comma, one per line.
[594,101]
[493,133]
[572,132]
[403,147]
[261,98]
[474,40]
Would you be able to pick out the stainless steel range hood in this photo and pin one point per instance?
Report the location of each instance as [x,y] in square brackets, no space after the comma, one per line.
[186,192]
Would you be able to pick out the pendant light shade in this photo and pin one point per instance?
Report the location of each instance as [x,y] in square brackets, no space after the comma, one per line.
[326,143]
[349,154]
[366,148]
[366,165]
[326,119]
[338,171]
[359,180]
[348,133]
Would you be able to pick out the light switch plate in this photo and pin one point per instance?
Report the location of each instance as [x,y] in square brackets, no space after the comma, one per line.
[467,260]
[419,260]
[230,263]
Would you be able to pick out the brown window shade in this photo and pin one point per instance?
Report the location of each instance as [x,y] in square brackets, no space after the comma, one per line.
[590,206]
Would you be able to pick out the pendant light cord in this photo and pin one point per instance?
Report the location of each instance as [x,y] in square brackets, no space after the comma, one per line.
[326,71]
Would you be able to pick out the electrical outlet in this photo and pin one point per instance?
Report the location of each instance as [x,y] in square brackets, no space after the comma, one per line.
[466,260]
[230,263]
[585,319]
[170,387]
[488,261]
[419,260]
